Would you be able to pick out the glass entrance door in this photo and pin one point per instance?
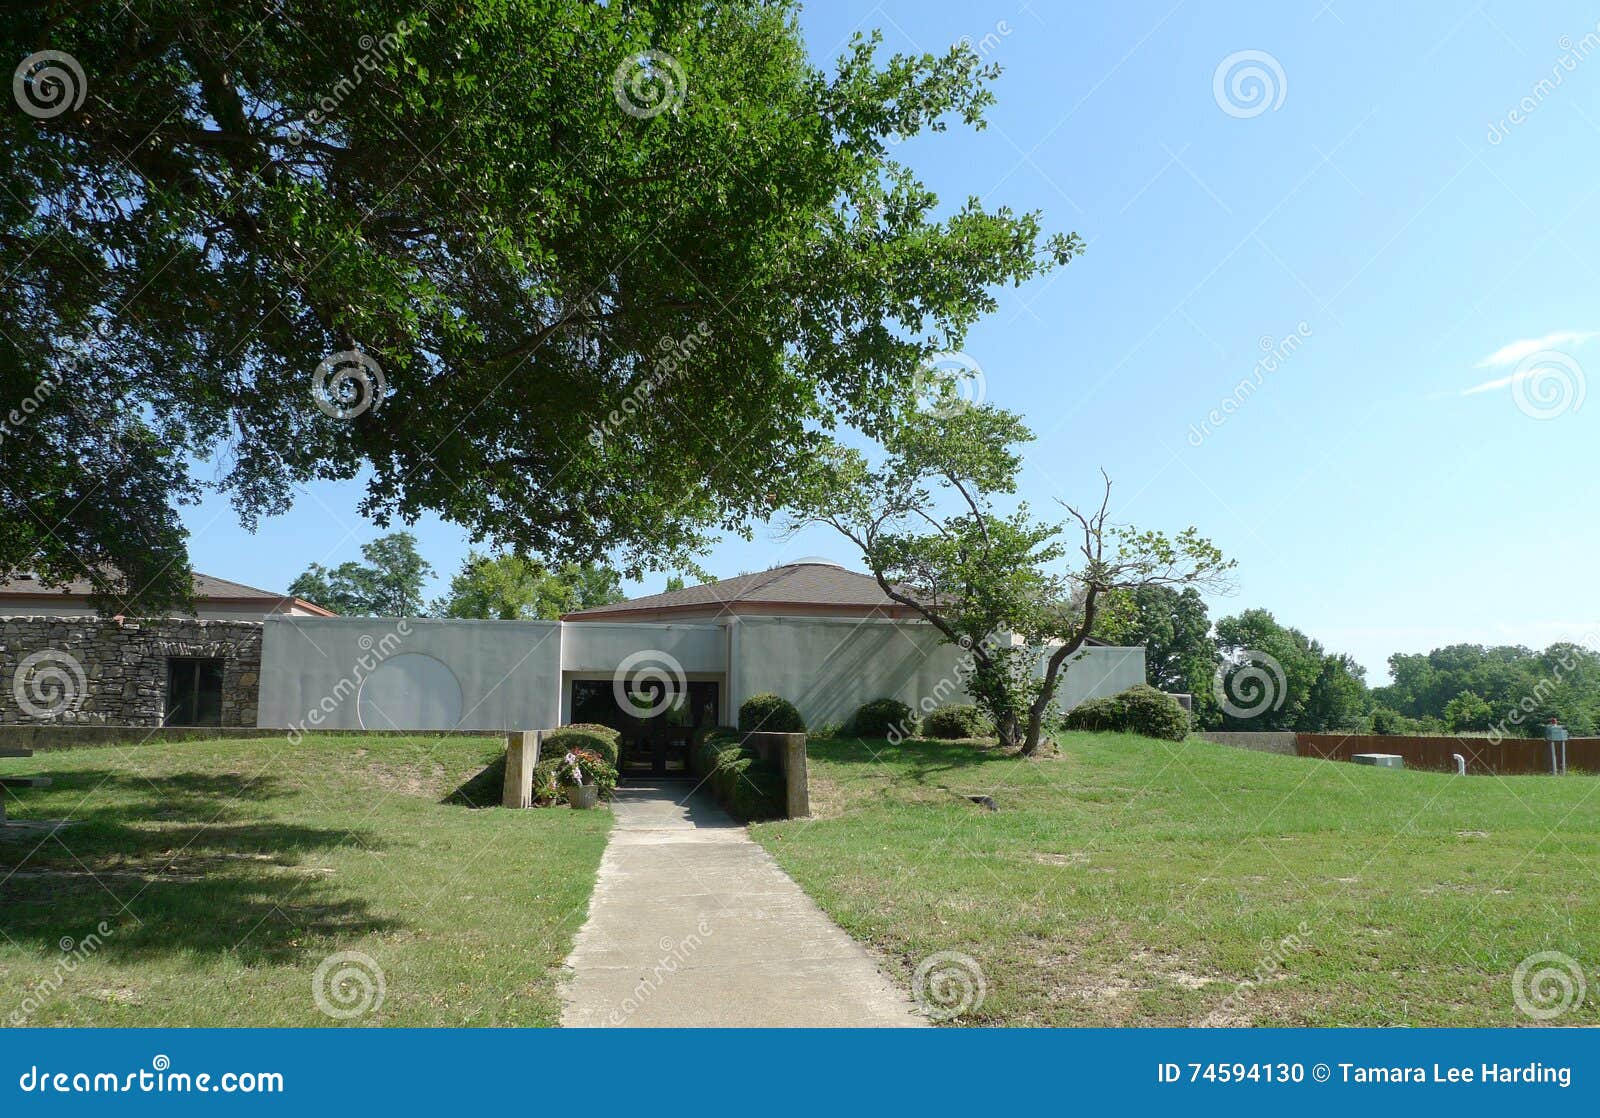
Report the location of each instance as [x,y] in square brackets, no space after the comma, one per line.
[657,723]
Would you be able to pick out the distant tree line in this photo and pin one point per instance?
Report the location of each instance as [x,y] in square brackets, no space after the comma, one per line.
[1465,688]
[504,587]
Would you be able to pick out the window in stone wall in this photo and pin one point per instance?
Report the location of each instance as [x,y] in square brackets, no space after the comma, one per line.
[194,691]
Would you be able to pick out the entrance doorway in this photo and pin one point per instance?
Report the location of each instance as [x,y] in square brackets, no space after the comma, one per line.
[657,723]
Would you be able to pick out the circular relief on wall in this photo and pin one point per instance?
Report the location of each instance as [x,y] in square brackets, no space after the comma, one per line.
[411,691]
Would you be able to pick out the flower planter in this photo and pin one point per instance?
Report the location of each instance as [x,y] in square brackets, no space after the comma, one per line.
[583,796]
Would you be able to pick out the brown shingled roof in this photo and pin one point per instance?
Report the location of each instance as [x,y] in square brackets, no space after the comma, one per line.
[206,588]
[810,584]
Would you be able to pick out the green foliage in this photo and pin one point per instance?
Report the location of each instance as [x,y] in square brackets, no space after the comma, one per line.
[957,721]
[602,740]
[770,714]
[1468,712]
[511,588]
[747,786]
[1140,709]
[1522,688]
[389,584]
[1174,628]
[880,717]
[1303,686]
[554,774]
[253,188]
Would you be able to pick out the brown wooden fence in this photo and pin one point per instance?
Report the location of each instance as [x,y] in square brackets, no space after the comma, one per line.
[1513,755]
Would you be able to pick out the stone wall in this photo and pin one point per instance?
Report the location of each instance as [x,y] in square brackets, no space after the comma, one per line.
[1261,741]
[86,670]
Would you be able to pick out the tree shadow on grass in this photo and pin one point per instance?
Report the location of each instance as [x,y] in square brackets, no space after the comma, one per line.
[179,864]
[924,758]
[483,789]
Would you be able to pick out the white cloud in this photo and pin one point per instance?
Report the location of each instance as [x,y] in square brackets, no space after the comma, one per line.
[1526,347]
[1521,349]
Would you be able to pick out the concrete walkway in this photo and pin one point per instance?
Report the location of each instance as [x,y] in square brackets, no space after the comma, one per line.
[693,924]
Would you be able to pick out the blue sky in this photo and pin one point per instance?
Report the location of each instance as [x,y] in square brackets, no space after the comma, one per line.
[1371,197]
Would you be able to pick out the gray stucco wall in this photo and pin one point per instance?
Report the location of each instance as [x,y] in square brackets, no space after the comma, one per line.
[346,673]
[600,646]
[1098,670]
[417,674]
[829,668]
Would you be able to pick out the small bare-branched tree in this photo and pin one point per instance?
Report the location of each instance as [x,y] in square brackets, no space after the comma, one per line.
[1007,588]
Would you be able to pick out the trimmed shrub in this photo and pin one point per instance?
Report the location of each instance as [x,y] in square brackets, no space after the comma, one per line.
[962,721]
[583,735]
[1141,709]
[877,718]
[770,714]
[747,786]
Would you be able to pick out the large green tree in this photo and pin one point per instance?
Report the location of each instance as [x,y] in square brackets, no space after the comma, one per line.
[1174,627]
[579,277]
[1275,677]
[388,584]
[1017,594]
[513,588]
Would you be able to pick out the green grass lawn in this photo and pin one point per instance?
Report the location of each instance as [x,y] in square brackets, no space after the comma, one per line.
[227,871]
[1135,882]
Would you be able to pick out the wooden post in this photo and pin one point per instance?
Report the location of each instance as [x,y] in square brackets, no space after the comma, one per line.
[794,775]
[522,754]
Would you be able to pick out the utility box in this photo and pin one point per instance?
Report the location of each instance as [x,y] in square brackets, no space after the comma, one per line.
[1380,760]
